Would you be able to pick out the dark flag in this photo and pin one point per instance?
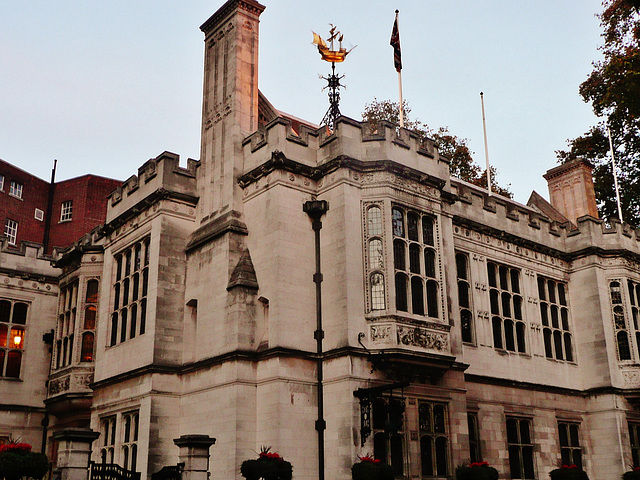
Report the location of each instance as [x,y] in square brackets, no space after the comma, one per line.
[395,43]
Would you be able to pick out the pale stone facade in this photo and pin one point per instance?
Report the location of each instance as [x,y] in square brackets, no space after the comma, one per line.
[455,325]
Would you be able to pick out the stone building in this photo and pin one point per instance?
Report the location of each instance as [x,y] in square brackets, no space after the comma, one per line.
[338,293]
[38,218]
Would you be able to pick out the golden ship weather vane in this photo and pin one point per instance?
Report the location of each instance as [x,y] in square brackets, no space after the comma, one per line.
[330,54]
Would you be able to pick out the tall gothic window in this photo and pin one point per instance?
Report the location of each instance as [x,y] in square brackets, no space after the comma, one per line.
[619,321]
[128,318]
[554,314]
[434,439]
[464,297]
[415,262]
[506,308]
[375,258]
[67,313]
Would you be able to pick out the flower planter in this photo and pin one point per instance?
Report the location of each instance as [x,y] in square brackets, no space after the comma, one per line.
[268,466]
[371,469]
[17,461]
[477,471]
[568,472]
[632,475]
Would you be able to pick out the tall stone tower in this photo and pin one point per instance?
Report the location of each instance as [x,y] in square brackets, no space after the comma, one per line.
[229,105]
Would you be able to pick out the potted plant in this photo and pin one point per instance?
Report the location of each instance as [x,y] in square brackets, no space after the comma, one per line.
[632,474]
[17,461]
[568,472]
[268,466]
[369,468]
[476,471]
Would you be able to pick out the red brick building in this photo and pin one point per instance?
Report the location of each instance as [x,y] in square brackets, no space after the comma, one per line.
[55,215]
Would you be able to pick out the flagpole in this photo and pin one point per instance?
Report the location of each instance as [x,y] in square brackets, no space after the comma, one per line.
[397,62]
[486,147]
[615,175]
[400,78]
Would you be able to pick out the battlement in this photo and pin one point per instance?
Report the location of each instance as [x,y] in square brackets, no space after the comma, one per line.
[162,173]
[506,218]
[350,139]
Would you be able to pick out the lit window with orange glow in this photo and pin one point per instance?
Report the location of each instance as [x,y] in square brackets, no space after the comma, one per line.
[13,321]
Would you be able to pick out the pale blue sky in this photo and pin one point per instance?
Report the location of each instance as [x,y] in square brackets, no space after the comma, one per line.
[105,85]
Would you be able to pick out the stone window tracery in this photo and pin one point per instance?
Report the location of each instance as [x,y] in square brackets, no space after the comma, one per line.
[128,317]
[521,447]
[506,308]
[569,439]
[375,258]
[67,313]
[415,257]
[619,321]
[554,314]
[464,297]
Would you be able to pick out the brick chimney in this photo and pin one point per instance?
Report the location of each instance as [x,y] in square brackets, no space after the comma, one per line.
[571,189]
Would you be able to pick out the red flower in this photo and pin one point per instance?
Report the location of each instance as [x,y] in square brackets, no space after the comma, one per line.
[569,466]
[15,447]
[479,464]
[369,459]
[271,455]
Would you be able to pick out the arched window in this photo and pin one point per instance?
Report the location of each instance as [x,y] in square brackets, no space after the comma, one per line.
[90,317]
[374,221]
[398,222]
[399,256]
[378,301]
[401,292]
[20,313]
[376,259]
[417,295]
[432,298]
[86,353]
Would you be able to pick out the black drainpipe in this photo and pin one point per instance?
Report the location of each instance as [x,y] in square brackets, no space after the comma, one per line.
[315,209]
[47,218]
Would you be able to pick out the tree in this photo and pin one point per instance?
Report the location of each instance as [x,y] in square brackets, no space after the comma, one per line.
[613,89]
[449,145]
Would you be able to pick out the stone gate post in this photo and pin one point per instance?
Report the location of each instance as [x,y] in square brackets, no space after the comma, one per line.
[194,453]
[74,452]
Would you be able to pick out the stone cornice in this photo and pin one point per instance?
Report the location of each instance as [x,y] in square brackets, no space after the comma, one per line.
[279,161]
[254,356]
[249,6]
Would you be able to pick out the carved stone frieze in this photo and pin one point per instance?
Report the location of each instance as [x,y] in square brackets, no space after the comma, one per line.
[421,337]
[425,336]
[59,385]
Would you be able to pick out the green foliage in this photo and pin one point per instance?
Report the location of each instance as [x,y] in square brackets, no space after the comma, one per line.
[613,89]
[365,470]
[15,464]
[456,149]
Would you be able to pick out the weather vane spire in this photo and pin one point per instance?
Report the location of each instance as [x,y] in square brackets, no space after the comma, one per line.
[329,53]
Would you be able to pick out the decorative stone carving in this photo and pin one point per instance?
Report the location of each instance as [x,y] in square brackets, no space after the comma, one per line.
[59,385]
[421,337]
[381,334]
[631,378]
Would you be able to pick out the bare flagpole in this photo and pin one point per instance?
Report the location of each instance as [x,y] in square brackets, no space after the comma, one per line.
[486,147]
[397,61]
[615,175]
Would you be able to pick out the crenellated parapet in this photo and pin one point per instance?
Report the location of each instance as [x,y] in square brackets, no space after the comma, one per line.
[161,176]
[520,224]
[313,151]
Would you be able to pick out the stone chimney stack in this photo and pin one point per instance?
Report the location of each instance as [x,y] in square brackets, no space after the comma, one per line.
[571,190]
[229,104]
